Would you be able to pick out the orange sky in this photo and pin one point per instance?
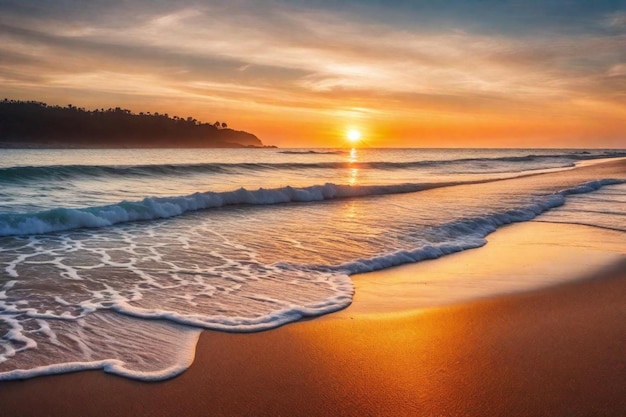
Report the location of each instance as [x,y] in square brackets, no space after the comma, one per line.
[302,76]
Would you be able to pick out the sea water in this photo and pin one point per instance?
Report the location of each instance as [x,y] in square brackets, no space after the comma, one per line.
[117,259]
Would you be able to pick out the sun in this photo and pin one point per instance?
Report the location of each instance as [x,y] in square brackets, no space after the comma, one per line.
[354,136]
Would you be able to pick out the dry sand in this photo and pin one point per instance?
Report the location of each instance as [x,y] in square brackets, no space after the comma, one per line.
[558,351]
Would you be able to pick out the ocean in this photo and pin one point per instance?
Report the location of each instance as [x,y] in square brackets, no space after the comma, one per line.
[118,259]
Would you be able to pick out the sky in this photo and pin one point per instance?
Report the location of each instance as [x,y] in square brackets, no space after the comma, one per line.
[481,73]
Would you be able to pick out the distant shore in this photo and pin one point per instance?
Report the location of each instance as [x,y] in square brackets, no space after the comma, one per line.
[33,124]
[15,145]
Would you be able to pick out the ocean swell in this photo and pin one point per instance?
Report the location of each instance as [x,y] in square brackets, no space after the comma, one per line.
[151,208]
[461,165]
[62,219]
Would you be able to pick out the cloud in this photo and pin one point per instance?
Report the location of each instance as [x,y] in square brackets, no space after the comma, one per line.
[287,56]
[617,20]
[618,70]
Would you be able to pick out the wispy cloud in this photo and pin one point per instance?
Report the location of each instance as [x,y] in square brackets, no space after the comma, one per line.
[617,20]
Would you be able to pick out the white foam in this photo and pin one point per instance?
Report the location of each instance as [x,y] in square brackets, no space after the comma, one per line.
[112,366]
[150,350]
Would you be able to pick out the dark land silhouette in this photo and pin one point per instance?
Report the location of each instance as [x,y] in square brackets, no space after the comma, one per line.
[32,124]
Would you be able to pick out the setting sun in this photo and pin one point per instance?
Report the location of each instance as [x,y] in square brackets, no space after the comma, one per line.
[354,136]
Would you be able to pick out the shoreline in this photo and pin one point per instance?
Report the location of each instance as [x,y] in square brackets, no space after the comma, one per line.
[566,254]
[556,351]
[552,350]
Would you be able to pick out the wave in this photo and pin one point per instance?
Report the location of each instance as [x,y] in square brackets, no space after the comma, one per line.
[152,208]
[63,172]
[63,219]
[466,165]
[470,233]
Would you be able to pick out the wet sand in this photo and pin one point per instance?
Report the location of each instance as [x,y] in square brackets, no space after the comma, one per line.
[556,351]
[560,351]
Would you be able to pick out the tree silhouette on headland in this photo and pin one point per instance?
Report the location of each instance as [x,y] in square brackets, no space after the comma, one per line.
[35,124]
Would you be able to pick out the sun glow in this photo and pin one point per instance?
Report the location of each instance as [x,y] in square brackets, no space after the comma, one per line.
[354,136]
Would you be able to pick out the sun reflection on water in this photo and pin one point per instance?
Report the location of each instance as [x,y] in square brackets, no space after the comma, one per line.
[353,156]
[354,172]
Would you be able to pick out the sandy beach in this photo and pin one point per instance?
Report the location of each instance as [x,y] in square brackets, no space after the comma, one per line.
[555,351]
[288,208]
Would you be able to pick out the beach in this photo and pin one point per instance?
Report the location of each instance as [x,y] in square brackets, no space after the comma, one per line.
[556,349]
[313,208]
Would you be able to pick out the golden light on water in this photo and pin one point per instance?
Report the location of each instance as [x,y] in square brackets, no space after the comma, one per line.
[354,171]
[353,156]
[354,174]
